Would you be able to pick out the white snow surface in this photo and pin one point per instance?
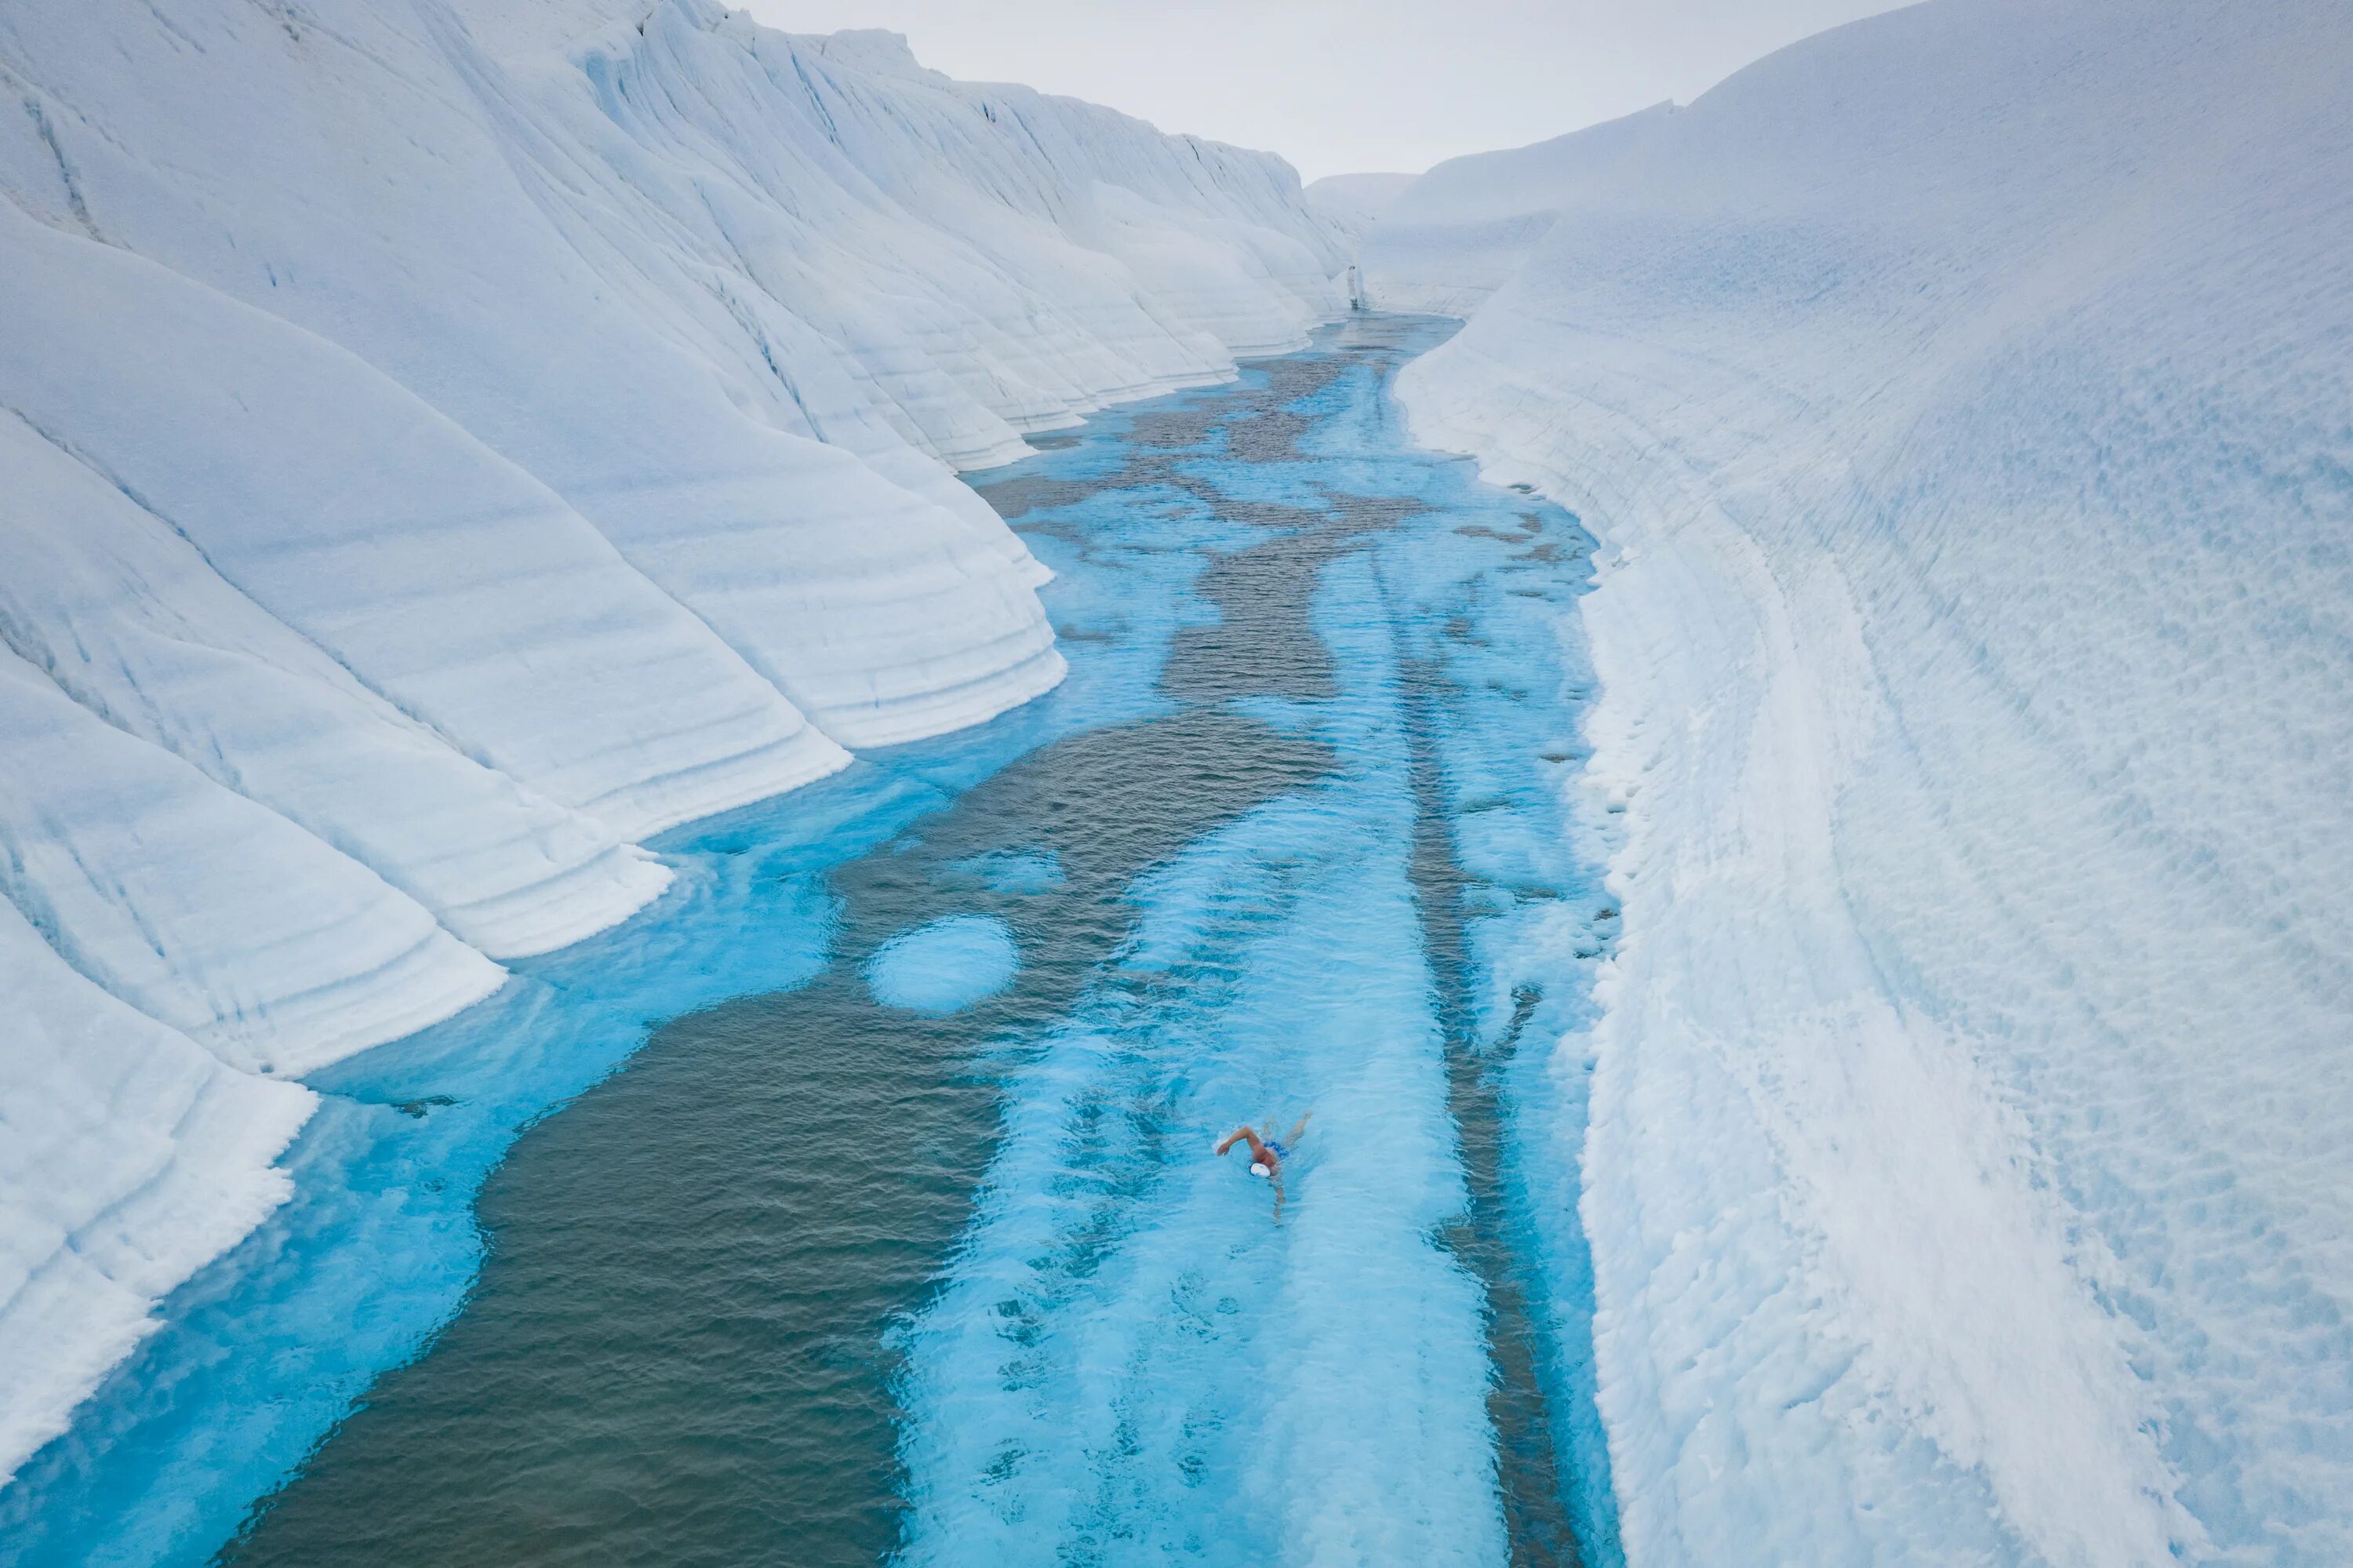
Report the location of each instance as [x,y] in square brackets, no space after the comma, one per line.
[446,444]
[1354,203]
[1964,400]
[130,1154]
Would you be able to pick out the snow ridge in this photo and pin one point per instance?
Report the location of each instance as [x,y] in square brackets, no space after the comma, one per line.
[1960,397]
[448,443]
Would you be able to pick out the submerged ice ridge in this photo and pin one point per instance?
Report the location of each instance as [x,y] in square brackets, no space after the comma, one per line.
[449,446]
[1958,400]
[946,965]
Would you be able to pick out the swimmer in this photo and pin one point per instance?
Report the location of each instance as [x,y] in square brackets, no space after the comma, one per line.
[1266,1154]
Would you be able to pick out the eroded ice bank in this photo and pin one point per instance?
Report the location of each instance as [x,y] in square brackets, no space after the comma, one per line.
[446,446]
[1961,400]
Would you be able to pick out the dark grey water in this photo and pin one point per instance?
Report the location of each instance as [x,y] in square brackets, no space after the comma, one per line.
[675,1354]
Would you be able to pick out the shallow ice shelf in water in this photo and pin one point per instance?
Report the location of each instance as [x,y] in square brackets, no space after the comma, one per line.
[942,1266]
[946,966]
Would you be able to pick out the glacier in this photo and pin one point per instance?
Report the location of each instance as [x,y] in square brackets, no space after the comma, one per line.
[1354,203]
[1961,398]
[448,445]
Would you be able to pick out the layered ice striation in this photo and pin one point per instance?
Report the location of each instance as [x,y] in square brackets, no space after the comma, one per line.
[446,446]
[132,1156]
[1961,398]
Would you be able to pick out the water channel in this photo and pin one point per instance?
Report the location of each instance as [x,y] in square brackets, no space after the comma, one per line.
[856,1202]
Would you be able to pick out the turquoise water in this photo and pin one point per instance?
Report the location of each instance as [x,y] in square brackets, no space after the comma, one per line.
[900,1234]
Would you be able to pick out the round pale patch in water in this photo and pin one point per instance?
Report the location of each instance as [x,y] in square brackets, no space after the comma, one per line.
[944,966]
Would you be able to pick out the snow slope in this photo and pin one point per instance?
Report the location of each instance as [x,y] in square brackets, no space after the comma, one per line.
[1454,236]
[1354,203]
[446,444]
[1962,398]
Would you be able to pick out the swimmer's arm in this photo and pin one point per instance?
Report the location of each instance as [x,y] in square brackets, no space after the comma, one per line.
[1230,1139]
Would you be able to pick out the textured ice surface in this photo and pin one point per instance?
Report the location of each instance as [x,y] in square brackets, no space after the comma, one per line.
[945,965]
[446,445]
[128,1140]
[1960,400]
[289,955]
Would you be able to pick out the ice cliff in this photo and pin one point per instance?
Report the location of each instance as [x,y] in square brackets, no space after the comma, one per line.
[1964,399]
[445,444]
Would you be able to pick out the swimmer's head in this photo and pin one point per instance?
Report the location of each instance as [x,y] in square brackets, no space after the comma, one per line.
[1258,1169]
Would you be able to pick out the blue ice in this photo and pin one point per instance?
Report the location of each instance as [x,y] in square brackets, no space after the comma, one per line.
[945,965]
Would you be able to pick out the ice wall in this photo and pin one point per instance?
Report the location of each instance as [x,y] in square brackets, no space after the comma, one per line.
[1354,203]
[1962,398]
[1453,236]
[445,444]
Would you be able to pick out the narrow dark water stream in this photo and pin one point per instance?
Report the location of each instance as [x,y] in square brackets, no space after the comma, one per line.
[1535,1505]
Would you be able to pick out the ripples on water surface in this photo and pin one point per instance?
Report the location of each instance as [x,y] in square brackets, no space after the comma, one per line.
[820,1280]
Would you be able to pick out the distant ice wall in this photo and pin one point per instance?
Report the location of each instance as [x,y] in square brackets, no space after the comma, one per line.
[1354,203]
[1964,401]
[1457,234]
[444,444]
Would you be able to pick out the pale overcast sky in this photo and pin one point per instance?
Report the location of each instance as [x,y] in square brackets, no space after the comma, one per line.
[1339,86]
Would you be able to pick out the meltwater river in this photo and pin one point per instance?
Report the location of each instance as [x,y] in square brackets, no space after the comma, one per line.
[877,1218]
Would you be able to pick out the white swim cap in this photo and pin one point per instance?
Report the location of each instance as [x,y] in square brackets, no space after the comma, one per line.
[1258,1169]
